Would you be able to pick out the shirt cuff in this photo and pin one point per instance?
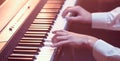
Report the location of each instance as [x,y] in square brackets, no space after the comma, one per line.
[106,20]
[102,49]
[101,20]
[115,12]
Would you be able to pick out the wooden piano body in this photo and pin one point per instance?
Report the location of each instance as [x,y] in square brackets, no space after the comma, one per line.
[15,15]
[27,27]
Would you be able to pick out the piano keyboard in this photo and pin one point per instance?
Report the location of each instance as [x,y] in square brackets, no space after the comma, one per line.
[35,44]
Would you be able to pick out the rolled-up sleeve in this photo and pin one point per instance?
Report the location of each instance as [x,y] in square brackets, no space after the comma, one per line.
[106,20]
[102,51]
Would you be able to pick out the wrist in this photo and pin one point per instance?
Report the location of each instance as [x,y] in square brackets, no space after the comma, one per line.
[91,41]
[88,18]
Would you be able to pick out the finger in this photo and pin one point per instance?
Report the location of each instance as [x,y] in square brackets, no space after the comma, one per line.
[60,32]
[58,38]
[61,38]
[57,31]
[60,43]
[54,40]
[74,18]
[66,11]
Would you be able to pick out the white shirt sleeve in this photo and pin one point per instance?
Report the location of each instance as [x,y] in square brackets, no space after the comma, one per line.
[106,20]
[102,51]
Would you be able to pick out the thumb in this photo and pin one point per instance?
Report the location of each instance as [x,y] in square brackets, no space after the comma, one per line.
[72,18]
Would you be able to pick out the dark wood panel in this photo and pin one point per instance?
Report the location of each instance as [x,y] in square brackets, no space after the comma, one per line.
[99,5]
[1,1]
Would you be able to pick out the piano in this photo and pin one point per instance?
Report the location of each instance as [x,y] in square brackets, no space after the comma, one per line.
[27,33]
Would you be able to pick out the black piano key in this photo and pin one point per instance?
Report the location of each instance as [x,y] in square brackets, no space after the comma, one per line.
[55,6]
[49,10]
[43,21]
[27,48]
[33,38]
[34,35]
[31,41]
[18,51]
[30,44]
[39,29]
[44,27]
[42,30]
[55,2]
[20,59]
[46,15]
[23,55]
[41,25]
[37,32]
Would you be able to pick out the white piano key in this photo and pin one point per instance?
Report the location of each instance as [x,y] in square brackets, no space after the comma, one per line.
[60,22]
[48,43]
[47,52]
